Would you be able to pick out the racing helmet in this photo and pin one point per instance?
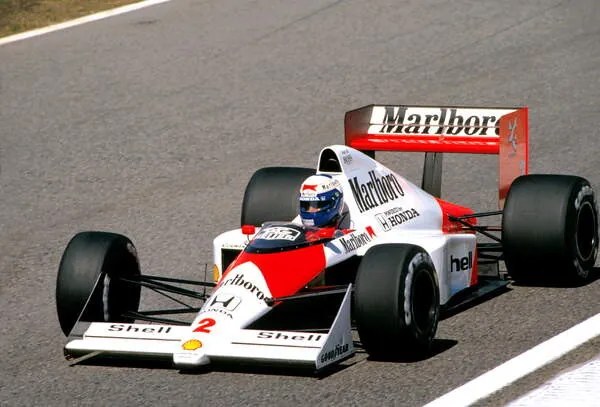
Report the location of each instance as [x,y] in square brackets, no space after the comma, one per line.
[321,200]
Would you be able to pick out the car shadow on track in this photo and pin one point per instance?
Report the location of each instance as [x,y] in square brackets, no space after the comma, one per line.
[559,283]
[438,346]
[219,367]
[129,363]
[269,370]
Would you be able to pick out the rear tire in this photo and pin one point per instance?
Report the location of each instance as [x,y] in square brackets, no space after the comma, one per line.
[272,194]
[550,229]
[88,286]
[396,301]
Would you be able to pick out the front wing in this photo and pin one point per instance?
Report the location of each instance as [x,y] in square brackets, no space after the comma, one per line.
[313,350]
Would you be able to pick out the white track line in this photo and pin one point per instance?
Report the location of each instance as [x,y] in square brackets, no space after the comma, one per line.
[521,365]
[81,20]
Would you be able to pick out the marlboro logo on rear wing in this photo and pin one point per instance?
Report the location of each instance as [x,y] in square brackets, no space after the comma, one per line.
[475,130]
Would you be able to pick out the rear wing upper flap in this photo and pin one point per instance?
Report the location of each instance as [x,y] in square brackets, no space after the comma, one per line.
[444,129]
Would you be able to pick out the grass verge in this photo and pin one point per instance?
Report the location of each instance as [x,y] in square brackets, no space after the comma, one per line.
[23,15]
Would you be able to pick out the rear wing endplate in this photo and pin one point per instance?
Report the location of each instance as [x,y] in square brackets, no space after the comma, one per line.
[445,129]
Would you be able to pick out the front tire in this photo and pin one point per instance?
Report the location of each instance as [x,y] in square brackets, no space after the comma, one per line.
[396,301]
[550,229]
[89,285]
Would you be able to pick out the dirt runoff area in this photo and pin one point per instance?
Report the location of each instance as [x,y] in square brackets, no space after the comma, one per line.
[22,15]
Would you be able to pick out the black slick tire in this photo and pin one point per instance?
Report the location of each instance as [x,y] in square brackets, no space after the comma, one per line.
[396,302]
[550,229]
[89,285]
[272,194]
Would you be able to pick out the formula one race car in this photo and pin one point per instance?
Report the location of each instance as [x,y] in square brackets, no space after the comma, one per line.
[284,293]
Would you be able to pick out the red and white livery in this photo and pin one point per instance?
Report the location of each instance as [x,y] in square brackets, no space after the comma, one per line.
[295,295]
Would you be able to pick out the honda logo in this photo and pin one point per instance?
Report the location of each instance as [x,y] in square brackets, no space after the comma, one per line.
[226,301]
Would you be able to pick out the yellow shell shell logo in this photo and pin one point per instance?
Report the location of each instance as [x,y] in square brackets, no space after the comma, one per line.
[192,344]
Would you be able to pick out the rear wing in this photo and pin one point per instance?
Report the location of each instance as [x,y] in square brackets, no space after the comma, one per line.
[445,129]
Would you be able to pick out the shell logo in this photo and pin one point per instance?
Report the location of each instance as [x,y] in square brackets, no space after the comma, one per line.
[216,273]
[192,344]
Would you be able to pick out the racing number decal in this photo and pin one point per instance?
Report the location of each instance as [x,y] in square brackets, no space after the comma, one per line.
[204,324]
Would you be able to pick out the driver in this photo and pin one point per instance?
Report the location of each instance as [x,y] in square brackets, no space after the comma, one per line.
[322,204]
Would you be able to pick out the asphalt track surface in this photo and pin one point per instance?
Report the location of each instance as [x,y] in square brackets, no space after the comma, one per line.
[151,123]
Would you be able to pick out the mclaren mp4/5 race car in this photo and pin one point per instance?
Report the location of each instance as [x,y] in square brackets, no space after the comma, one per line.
[288,294]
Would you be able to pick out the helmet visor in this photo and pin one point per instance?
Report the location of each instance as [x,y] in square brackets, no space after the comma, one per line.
[315,206]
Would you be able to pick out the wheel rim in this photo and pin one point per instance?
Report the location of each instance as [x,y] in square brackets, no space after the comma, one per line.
[423,301]
[585,232]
